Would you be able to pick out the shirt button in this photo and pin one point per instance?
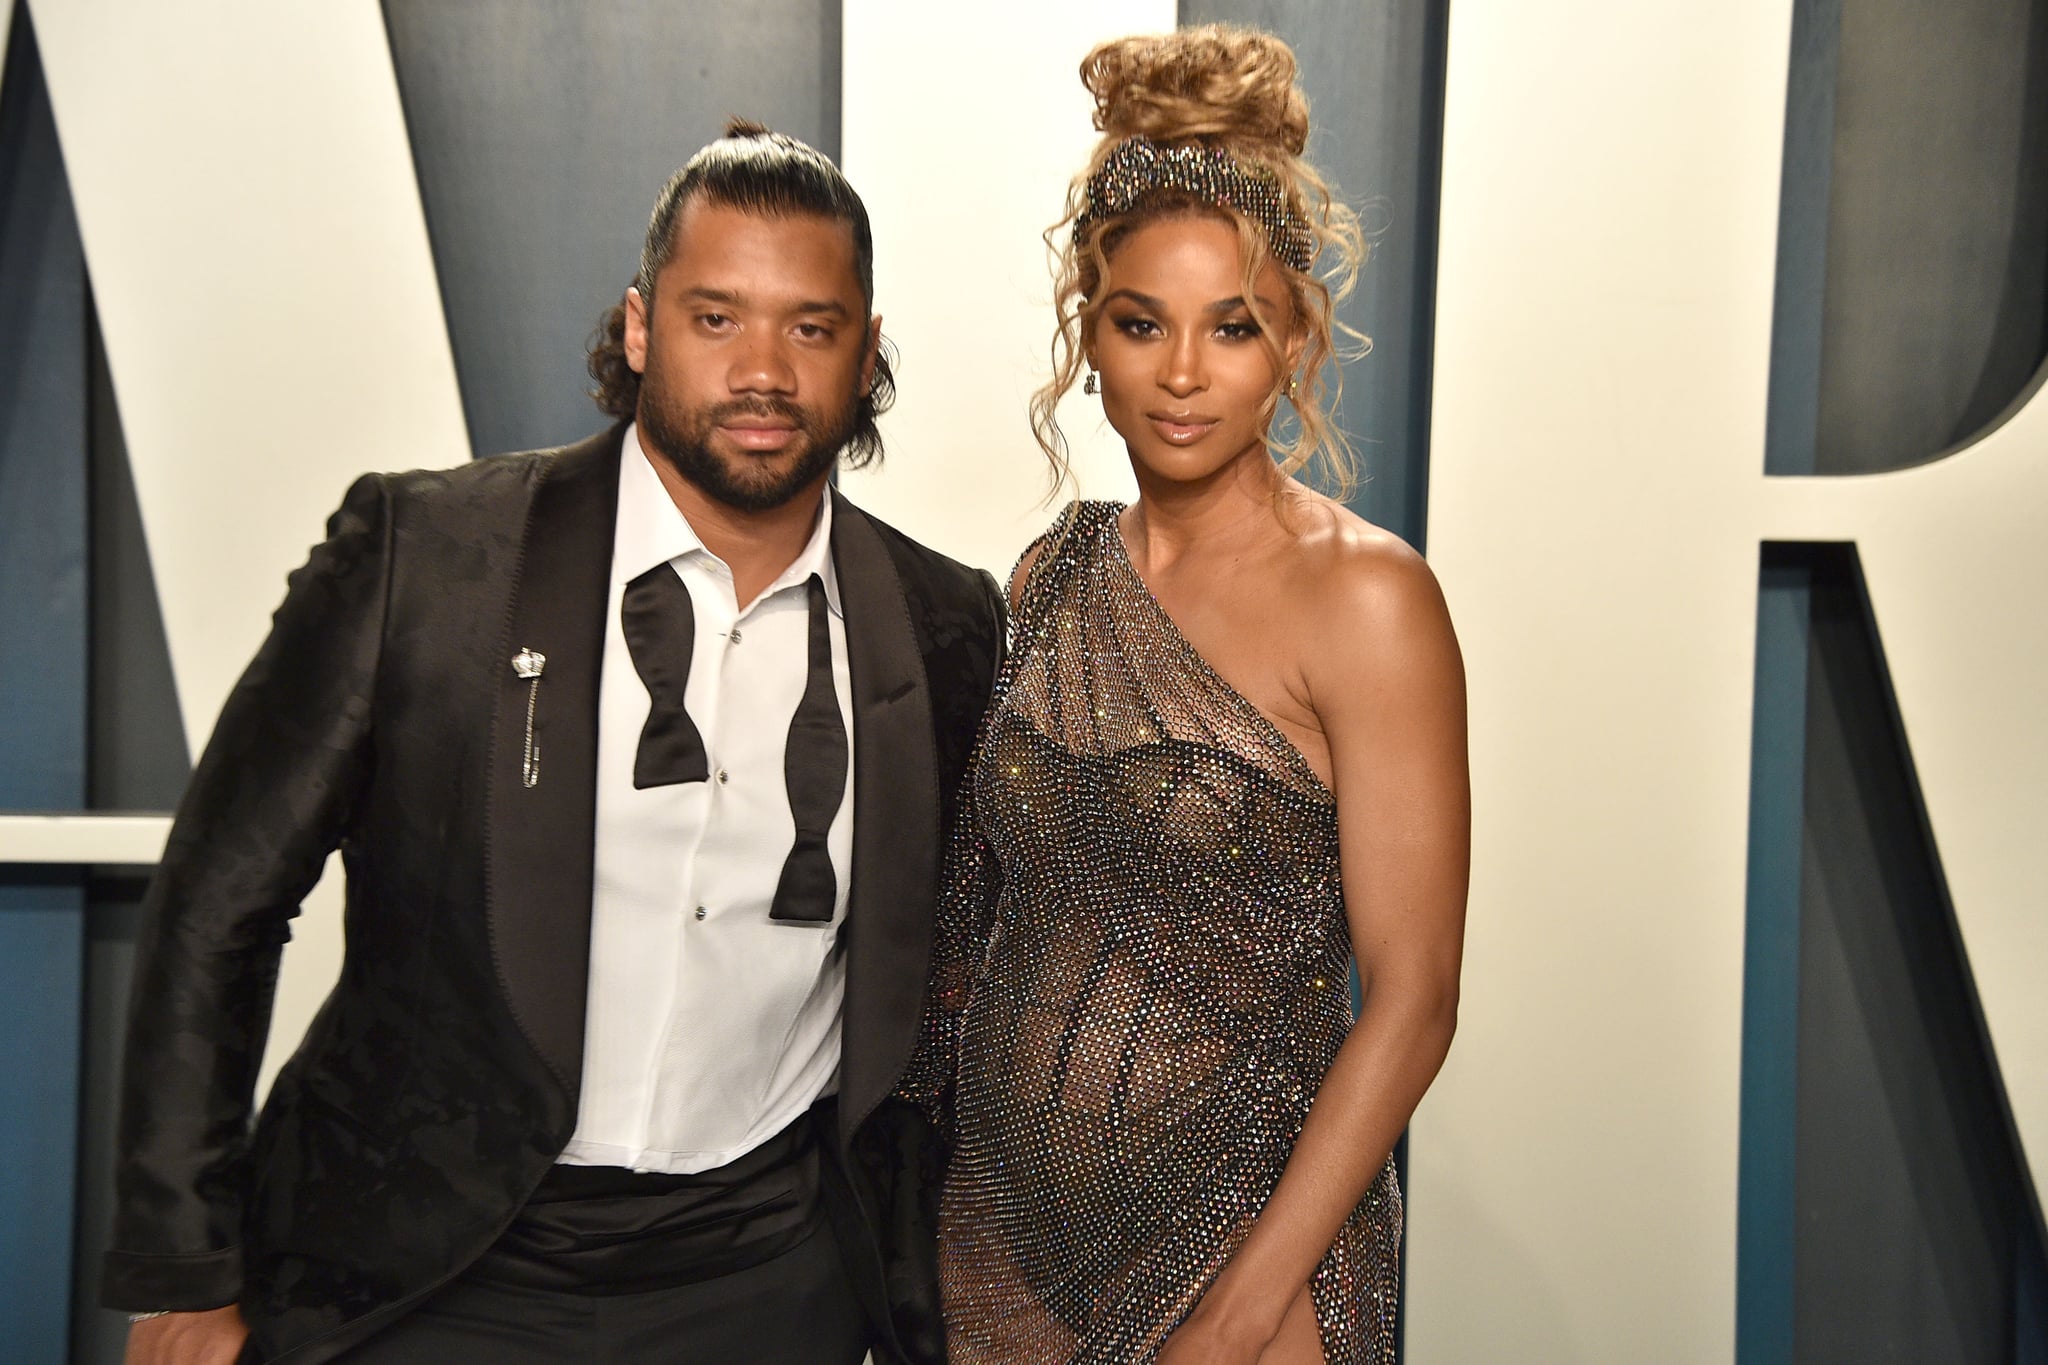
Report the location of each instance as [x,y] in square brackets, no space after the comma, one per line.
[735,636]
[700,912]
[721,777]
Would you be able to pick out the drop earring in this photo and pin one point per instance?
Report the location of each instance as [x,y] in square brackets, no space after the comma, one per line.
[1089,385]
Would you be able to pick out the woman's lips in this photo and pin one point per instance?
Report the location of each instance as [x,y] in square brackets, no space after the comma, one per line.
[1181,428]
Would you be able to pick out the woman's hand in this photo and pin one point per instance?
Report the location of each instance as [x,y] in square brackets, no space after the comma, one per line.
[1209,1336]
[1205,1338]
[213,1337]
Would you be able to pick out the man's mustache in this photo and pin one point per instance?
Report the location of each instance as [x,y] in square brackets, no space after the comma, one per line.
[767,409]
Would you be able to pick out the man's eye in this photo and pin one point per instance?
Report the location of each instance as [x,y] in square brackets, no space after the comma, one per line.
[813,331]
[713,320]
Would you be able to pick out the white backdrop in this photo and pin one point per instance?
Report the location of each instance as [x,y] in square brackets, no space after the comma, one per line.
[959,204]
[260,265]
[1597,502]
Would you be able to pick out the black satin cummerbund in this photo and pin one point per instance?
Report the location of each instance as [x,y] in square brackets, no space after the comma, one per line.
[606,1230]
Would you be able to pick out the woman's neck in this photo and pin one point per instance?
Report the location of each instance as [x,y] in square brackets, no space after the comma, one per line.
[1232,507]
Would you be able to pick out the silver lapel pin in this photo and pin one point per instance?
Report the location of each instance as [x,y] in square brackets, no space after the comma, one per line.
[528,663]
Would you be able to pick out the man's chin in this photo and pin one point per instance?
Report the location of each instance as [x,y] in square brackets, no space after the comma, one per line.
[746,480]
[756,482]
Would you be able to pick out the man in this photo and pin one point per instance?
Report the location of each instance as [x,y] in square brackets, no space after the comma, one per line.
[637,753]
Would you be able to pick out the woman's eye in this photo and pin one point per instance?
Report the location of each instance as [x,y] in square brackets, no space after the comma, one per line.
[1238,331]
[1136,327]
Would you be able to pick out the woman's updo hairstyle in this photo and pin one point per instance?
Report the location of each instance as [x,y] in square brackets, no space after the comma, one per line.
[1232,91]
[1228,87]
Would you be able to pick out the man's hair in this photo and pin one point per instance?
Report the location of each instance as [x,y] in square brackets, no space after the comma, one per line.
[761,172]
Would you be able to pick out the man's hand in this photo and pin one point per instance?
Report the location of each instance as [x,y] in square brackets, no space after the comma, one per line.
[213,1337]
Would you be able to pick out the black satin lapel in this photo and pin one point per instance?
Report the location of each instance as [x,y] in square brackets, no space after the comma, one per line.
[895,819]
[541,837]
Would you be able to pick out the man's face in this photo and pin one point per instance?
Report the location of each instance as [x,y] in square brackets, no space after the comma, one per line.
[753,353]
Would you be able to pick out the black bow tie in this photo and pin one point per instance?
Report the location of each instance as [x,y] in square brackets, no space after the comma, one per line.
[660,627]
[661,630]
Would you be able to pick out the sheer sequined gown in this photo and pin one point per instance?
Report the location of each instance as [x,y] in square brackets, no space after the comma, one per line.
[1141,979]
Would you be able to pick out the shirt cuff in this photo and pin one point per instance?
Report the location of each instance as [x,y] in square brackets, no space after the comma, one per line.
[136,1283]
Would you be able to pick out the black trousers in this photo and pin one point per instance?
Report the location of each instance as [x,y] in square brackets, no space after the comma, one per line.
[797,1309]
[736,1266]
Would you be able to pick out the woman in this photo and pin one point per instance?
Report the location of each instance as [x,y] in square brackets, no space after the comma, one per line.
[1227,749]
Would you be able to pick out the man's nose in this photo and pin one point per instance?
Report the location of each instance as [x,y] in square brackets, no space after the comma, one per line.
[761,365]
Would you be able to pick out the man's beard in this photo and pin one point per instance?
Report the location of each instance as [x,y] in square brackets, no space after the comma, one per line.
[750,483]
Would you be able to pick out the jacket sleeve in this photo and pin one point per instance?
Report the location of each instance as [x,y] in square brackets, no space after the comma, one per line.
[969,881]
[999,617]
[269,800]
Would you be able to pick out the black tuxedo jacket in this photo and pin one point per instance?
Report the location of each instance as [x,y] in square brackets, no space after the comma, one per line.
[440,1080]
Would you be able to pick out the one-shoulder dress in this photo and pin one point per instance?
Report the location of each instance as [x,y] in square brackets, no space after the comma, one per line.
[1141,977]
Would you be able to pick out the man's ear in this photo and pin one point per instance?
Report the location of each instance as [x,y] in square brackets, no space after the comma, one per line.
[874,354]
[636,330]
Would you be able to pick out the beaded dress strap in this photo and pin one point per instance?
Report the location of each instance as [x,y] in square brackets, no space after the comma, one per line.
[1054,563]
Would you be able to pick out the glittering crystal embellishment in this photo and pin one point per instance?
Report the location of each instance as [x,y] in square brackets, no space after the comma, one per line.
[527,664]
[1143,877]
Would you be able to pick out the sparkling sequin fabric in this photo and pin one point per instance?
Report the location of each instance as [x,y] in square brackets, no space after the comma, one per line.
[1141,980]
[1139,168]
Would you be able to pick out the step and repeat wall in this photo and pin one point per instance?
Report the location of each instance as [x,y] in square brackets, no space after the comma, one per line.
[1706,352]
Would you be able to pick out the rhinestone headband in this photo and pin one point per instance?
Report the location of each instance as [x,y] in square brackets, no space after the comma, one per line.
[1139,168]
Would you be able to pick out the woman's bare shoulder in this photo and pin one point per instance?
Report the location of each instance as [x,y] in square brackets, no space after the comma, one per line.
[1370,605]
[1343,562]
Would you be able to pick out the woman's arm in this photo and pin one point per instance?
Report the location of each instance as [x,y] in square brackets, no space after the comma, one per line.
[1387,685]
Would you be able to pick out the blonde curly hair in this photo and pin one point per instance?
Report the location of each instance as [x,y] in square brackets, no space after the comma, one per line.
[1234,90]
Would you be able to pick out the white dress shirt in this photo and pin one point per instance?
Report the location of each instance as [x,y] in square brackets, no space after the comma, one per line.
[710,1027]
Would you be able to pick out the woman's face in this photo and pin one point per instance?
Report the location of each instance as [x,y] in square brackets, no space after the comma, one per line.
[1183,370]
